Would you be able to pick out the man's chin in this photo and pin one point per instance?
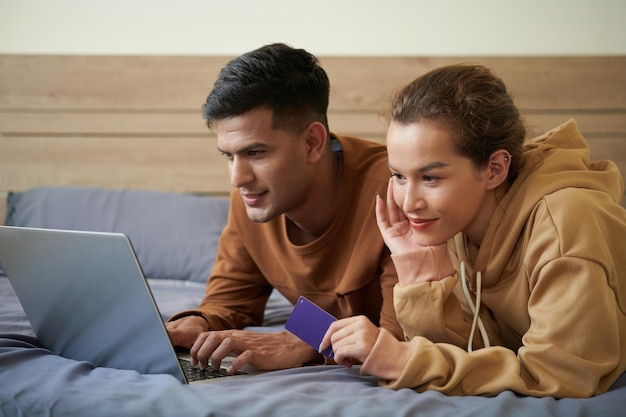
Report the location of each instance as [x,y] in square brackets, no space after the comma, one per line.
[258,215]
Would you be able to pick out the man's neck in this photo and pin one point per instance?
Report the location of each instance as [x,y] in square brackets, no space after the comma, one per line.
[323,206]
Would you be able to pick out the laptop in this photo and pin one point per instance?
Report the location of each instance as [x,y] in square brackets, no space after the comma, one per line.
[87,298]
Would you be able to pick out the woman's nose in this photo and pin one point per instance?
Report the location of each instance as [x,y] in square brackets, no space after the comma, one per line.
[413,200]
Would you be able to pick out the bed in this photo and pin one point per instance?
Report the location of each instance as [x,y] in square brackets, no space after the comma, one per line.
[91,143]
[176,246]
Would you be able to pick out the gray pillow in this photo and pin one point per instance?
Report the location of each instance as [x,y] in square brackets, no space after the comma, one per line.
[175,235]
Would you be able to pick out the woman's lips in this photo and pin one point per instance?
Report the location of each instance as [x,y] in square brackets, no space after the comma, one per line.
[421,224]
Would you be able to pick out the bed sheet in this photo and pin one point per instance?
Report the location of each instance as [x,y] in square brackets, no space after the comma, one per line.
[34,382]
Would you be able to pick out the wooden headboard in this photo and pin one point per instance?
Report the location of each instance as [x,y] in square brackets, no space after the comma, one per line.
[135,122]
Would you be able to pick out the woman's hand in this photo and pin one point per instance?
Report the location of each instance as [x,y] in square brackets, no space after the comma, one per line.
[356,340]
[394,225]
[414,263]
[352,340]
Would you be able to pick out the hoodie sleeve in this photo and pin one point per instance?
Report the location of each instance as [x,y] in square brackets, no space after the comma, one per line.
[430,308]
[559,358]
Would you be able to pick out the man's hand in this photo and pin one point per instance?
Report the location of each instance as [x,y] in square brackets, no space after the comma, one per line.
[264,351]
[184,331]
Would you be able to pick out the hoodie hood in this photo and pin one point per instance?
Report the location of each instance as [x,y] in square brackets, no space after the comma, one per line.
[553,161]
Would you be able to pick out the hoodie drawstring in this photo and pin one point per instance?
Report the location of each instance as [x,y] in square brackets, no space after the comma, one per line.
[474,308]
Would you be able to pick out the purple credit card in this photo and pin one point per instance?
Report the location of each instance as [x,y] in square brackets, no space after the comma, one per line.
[309,322]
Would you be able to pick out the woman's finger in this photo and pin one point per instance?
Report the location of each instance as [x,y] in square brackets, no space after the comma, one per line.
[392,208]
[381,215]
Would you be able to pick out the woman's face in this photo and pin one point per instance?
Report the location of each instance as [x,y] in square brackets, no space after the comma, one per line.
[441,192]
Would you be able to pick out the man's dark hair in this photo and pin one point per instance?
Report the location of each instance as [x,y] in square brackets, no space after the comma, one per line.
[286,80]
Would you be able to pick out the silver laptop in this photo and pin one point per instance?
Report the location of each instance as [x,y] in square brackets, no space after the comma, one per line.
[86,298]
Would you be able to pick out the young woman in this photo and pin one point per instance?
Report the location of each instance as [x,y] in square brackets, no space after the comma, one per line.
[511,254]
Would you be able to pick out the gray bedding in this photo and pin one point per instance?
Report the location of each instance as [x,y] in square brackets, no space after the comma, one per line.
[34,382]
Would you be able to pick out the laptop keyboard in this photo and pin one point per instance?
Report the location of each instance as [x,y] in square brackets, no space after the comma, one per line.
[194,373]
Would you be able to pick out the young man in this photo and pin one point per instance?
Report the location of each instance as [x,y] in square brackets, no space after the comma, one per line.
[301,218]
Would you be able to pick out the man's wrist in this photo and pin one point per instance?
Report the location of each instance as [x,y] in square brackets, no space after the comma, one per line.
[316,358]
[308,355]
[204,323]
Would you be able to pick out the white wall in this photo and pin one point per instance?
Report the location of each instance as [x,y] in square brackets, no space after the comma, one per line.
[324,27]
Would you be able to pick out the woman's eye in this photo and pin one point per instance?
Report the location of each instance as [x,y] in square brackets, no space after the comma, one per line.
[397,177]
[429,178]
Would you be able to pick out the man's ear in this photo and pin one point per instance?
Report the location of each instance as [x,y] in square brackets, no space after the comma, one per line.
[315,139]
[498,168]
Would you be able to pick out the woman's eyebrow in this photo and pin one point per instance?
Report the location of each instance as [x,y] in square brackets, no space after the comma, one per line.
[426,167]
[432,165]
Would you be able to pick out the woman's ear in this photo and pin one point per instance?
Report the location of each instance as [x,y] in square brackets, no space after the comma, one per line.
[315,139]
[498,168]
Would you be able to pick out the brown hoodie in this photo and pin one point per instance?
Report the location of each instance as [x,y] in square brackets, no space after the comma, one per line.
[553,269]
[347,271]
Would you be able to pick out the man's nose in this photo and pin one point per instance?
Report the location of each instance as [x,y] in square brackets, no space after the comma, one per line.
[240,172]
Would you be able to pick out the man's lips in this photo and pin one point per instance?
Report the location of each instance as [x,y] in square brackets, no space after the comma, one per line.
[252,199]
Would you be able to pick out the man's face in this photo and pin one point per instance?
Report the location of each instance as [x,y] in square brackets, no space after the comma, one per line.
[267,166]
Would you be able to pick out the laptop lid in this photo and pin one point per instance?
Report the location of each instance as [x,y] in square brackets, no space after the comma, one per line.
[86,297]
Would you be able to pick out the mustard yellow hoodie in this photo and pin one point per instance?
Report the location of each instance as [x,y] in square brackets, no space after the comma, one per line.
[553,296]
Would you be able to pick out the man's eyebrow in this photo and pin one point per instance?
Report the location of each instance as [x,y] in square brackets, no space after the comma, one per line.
[246,148]
[426,167]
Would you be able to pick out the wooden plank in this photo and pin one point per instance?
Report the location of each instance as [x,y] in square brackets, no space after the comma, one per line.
[365,123]
[182,83]
[535,82]
[65,123]
[613,149]
[175,164]
[120,136]
[135,122]
[178,164]
[126,123]
[106,82]
[591,125]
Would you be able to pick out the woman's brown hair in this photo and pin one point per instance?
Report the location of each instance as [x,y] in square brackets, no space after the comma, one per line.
[473,103]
